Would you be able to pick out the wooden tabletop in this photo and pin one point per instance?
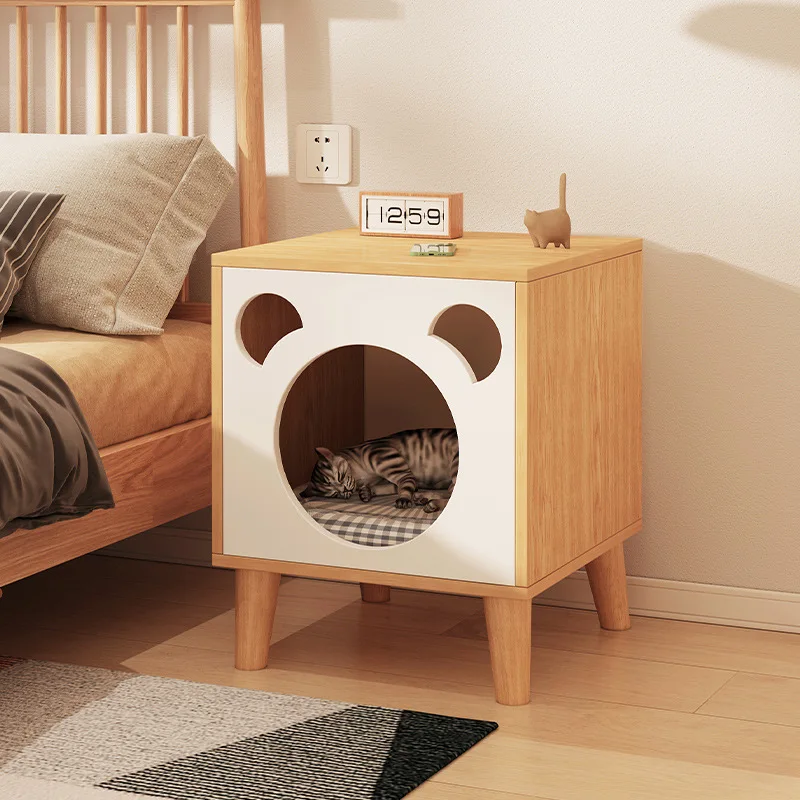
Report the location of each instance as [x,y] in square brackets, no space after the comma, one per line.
[480,256]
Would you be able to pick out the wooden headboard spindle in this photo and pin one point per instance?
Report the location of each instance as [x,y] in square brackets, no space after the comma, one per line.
[141,69]
[249,95]
[101,69]
[182,23]
[22,69]
[61,68]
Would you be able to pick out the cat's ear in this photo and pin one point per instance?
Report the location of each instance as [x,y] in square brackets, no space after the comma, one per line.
[324,454]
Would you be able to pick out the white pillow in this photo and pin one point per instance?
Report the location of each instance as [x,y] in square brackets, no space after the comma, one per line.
[137,208]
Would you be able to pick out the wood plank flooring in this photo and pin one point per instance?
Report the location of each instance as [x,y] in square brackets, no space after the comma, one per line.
[668,710]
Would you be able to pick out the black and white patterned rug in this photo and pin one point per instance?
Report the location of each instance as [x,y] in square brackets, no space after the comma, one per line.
[80,733]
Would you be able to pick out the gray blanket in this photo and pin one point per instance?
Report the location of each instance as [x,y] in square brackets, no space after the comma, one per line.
[50,469]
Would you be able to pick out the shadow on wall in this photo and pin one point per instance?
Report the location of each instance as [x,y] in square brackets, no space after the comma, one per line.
[766,30]
[294,210]
[722,423]
[301,209]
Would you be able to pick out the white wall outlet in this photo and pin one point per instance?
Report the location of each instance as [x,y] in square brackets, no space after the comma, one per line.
[323,153]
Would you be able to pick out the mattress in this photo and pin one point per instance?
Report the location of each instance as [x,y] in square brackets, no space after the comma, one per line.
[378,523]
[126,386]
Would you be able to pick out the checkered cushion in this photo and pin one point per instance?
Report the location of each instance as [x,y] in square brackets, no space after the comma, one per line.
[375,524]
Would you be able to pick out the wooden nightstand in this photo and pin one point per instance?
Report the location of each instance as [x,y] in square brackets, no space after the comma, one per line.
[553,434]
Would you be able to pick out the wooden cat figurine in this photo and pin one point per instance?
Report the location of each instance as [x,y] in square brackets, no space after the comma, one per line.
[551,226]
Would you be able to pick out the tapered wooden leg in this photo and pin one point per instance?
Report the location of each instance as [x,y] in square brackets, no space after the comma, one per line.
[508,623]
[256,600]
[375,593]
[609,589]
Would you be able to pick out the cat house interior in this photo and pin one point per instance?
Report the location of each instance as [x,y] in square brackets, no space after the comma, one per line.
[355,483]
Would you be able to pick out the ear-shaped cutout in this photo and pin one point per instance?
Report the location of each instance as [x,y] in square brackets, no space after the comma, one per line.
[474,334]
[265,320]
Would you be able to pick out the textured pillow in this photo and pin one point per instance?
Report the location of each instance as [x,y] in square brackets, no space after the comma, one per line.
[137,208]
[25,219]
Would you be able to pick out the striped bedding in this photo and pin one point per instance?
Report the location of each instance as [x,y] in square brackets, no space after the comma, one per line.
[25,219]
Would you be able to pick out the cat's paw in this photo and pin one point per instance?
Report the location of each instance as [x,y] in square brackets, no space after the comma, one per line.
[365,494]
[431,507]
[420,500]
[403,502]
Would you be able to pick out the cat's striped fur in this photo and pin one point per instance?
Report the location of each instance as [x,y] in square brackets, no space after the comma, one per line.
[403,463]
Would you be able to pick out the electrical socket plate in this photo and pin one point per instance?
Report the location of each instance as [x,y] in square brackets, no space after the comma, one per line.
[323,153]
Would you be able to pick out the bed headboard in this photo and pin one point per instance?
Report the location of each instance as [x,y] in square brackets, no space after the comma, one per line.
[246,16]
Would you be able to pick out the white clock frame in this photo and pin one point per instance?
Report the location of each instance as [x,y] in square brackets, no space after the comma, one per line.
[450,207]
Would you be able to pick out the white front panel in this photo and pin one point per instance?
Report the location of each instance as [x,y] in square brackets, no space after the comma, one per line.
[473,538]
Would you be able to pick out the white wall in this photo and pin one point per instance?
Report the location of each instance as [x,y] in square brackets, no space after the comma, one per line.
[678,122]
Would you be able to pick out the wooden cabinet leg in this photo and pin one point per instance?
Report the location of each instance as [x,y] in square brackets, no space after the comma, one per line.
[375,593]
[609,589]
[256,600]
[508,623]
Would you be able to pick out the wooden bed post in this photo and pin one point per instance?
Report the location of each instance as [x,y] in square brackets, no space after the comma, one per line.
[250,121]
[256,593]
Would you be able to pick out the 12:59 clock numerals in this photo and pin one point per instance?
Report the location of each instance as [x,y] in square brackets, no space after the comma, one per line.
[412,215]
[432,216]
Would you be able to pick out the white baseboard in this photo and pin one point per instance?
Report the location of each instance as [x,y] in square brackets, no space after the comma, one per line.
[648,597]
[695,602]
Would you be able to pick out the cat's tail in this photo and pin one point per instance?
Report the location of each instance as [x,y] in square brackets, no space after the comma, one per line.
[562,192]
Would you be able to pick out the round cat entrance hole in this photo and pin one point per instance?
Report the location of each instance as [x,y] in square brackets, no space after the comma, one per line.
[375,460]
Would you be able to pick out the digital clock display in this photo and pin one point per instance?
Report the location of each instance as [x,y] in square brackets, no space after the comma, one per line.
[410,215]
[395,214]
[413,215]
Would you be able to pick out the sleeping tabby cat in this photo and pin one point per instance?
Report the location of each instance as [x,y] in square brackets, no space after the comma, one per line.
[402,463]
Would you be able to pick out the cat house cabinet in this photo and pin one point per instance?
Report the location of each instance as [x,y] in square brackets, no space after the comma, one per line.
[549,432]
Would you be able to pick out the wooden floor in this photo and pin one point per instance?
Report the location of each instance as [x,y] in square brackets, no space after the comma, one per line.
[665,710]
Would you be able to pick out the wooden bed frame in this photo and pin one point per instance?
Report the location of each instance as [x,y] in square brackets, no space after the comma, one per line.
[166,474]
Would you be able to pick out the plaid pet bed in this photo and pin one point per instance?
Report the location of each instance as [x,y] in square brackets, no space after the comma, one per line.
[375,524]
